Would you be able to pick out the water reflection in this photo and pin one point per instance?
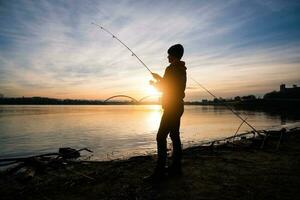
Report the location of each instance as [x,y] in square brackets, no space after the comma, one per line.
[153,117]
[116,131]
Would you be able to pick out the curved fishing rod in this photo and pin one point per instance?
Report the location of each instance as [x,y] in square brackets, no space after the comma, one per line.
[133,54]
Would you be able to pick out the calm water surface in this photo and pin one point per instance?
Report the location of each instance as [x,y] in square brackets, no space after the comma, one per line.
[113,131]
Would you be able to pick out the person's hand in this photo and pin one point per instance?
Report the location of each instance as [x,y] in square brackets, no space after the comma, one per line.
[151,82]
[156,76]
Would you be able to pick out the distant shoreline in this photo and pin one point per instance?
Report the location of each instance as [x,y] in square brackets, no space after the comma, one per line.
[53,101]
[286,108]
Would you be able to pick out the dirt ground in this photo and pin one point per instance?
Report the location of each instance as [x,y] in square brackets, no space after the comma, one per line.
[243,171]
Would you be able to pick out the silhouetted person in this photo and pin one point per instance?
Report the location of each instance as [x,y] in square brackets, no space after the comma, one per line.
[172,85]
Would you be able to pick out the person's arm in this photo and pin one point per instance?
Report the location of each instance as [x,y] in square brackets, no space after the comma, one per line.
[160,81]
[158,84]
[156,77]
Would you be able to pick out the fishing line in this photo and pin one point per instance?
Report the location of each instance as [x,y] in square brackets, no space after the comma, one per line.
[133,54]
[226,105]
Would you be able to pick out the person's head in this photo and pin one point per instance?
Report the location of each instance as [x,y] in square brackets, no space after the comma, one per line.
[175,53]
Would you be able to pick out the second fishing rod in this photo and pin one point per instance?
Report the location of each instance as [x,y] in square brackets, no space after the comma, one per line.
[133,54]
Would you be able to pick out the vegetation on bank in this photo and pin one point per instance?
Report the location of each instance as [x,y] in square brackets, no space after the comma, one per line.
[285,98]
[241,102]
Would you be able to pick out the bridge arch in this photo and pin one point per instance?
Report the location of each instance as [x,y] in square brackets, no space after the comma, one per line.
[121,95]
[146,97]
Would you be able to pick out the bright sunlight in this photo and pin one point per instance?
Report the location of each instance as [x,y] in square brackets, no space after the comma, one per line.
[152,91]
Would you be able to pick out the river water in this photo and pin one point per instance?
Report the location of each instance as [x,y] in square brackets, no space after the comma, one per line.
[114,131]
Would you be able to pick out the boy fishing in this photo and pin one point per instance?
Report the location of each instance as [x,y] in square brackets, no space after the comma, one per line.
[172,85]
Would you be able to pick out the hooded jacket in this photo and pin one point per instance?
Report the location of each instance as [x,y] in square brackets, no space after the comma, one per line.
[173,85]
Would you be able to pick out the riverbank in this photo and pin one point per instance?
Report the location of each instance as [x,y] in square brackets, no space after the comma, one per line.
[247,169]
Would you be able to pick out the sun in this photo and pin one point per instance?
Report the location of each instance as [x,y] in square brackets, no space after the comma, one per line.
[151,91]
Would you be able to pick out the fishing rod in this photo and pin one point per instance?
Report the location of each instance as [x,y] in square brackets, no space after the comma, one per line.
[115,37]
[133,54]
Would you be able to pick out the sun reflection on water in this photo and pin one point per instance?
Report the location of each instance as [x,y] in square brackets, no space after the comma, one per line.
[121,129]
[154,115]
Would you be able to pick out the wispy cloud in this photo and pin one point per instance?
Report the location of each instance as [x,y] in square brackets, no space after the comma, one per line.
[49,48]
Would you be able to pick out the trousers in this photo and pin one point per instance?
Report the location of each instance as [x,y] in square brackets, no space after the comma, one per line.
[169,124]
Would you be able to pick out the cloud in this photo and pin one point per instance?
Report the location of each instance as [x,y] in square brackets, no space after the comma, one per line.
[50,47]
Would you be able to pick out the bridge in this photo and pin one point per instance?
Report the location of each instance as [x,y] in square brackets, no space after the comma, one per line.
[146,97]
[129,97]
[121,95]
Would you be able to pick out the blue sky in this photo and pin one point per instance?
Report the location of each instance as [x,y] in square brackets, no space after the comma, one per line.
[239,47]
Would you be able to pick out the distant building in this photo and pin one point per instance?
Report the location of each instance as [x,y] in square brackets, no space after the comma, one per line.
[284,93]
[285,89]
[282,88]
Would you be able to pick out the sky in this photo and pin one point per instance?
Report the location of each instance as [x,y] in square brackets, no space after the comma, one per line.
[234,47]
